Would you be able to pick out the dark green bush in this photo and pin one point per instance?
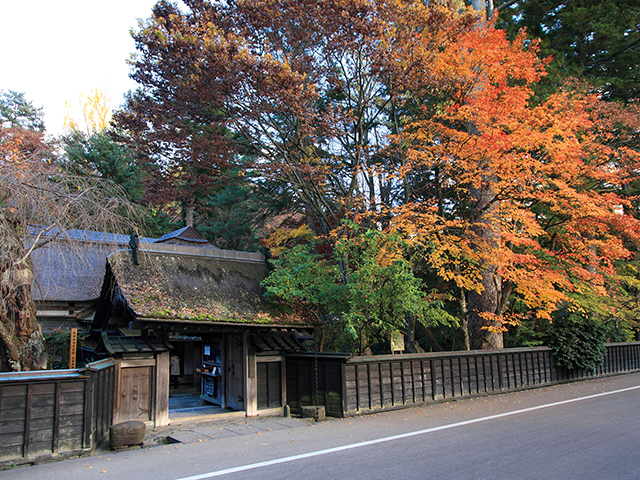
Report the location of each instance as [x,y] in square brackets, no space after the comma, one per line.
[57,343]
[577,341]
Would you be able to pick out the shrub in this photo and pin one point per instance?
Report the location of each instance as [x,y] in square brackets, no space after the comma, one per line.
[577,341]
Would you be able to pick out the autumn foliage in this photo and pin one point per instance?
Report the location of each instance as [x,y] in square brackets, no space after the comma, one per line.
[554,219]
[417,117]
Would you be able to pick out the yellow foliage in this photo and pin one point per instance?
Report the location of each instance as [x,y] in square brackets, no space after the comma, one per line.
[91,114]
[284,238]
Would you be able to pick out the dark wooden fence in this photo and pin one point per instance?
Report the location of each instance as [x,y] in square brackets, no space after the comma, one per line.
[55,414]
[355,385]
[301,381]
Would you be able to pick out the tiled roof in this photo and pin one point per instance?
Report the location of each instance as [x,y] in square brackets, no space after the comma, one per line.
[187,234]
[114,344]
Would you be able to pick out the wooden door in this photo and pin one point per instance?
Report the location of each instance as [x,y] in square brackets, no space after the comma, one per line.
[269,385]
[234,373]
[134,394]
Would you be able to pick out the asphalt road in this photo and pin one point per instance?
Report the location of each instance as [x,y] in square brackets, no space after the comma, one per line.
[586,430]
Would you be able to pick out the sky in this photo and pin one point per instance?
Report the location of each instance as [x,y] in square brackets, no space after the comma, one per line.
[55,50]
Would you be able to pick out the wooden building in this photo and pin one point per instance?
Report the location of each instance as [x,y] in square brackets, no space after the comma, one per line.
[208,305]
[69,271]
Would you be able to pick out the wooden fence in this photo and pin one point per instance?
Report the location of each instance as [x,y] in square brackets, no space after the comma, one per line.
[301,381]
[354,385]
[55,414]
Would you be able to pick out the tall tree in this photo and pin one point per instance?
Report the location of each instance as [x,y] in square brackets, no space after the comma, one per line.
[362,293]
[18,112]
[316,92]
[90,114]
[310,89]
[596,40]
[552,223]
[38,197]
[100,155]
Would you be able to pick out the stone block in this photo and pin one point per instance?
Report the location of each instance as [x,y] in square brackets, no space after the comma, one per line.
[127,434]
[317,412]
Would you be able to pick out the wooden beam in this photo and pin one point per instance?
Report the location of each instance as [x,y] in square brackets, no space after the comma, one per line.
[161,404]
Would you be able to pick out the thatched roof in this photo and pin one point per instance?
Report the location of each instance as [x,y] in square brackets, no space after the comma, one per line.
[71,268]
[216,286]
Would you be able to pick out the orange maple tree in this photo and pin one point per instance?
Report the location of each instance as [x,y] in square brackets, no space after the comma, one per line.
[524,200]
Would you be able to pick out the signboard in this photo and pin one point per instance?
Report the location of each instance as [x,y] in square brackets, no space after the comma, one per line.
[209,386]
[397,342]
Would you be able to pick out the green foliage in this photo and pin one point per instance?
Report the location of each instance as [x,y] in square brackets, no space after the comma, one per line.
[17,111]
[100,155]
[363,292]
[587,39]
[57,344]
[577,340]
[232,217]
[527,333]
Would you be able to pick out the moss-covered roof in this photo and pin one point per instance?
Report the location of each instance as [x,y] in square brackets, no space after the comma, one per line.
[174,286]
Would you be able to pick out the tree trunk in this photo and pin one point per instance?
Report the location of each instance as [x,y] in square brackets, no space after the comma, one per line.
[188,215]
[488,300]
[20,334]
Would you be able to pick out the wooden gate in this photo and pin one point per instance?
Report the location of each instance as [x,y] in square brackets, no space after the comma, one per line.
[269,385]
[234,375]
[134,394]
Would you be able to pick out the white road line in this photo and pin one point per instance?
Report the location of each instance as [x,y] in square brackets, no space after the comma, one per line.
[327,451]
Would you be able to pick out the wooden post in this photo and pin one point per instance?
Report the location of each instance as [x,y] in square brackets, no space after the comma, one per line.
[73,347]
[161,413]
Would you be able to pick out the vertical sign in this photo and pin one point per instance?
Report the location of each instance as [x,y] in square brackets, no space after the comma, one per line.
[73,347]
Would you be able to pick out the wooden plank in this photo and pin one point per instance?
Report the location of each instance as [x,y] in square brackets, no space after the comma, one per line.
[88,417]
[381,384]
[473,375]
[44,389]
[464,373]
[11,439]
[343,387]
[77,386]
[375,385]
[539,368]
[418,388]
[56,418]
[363,391]
[9,391]
[298,383]
[13,413]
[412,378]
[13,403]
[369,392]
[403,387]
[11,427]
[508,365]
[488,373]
[358,394]
[447,379]
[434,378]
[500,370]
[70,444]
[11,451]
[160,409]
[398,385]
[27,420]
[325,378]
